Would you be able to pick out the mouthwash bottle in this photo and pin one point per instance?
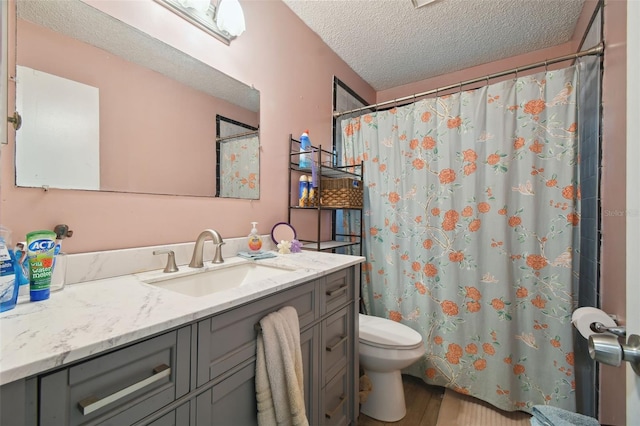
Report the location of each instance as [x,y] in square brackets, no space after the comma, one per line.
[8,284]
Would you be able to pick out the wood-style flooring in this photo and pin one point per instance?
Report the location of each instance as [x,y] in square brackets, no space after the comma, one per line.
[423,405]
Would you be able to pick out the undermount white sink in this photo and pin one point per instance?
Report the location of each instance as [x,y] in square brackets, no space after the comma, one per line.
[224,277]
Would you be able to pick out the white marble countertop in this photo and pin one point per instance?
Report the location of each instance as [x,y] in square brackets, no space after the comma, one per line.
[93,316]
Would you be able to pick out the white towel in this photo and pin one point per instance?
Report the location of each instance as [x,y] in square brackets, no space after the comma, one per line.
[279,374]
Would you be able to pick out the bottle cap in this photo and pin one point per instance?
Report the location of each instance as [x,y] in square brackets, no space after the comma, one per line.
[303,178]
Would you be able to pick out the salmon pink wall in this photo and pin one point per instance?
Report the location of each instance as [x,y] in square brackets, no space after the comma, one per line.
[290,66]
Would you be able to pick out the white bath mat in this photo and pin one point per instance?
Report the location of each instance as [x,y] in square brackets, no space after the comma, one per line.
[462,410]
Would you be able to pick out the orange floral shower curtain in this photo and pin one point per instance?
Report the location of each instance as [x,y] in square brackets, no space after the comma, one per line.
[472,208]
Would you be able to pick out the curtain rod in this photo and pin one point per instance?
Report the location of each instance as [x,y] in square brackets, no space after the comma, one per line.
[239,135]
[596,50]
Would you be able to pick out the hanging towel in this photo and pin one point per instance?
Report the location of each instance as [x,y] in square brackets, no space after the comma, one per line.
[279,374]
[546,415]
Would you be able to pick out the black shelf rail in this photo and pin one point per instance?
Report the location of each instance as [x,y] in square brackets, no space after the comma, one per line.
[326,166]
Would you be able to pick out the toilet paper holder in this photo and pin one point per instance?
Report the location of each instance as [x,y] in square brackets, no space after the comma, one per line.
[607,349]
[598,327]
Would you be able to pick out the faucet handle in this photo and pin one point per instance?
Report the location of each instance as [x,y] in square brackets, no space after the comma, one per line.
[171,260]
[217,257]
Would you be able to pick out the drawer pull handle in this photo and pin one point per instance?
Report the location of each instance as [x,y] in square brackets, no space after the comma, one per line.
[340,342]
[333,412]
[338,290]
[91,403]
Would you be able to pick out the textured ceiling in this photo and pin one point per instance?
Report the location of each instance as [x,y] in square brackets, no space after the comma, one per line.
[83,22]
[389,43]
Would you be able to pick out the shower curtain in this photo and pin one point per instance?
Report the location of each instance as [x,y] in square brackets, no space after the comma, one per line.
[471,217]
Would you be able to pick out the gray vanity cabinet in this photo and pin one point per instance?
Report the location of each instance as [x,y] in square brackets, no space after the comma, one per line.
[204,372]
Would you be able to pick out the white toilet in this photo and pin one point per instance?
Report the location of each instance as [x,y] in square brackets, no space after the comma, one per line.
[386,347]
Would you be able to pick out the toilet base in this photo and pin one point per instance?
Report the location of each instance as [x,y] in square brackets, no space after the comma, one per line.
[386,400]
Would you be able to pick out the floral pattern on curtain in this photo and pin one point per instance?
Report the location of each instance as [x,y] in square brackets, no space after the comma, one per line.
[471,209]
[240,168]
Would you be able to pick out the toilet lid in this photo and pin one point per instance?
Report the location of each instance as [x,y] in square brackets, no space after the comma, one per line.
[386,333]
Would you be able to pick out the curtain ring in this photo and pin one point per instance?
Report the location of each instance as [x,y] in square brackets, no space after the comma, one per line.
[516,73]
[487,80]
[460,87]
[546,69]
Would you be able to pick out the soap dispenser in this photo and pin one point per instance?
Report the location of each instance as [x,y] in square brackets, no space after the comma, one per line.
[254,240]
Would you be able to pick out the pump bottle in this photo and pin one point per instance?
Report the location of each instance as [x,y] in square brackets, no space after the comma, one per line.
[254,240]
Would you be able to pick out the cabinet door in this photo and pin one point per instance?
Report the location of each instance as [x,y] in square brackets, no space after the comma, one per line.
[177,417]
[228,339]
[118,388]
[232,401]
[310,345]
[18,403]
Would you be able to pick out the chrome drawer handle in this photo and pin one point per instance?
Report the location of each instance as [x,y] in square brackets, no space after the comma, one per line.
[332,413]
[340,342]
[338,290]
[91,403]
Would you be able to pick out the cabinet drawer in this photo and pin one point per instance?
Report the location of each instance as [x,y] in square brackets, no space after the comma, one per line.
[228,339]
[121,387]
[336,342]
[336,401]
[337,290]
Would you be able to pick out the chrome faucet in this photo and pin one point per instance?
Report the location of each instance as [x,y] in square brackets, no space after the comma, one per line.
[198,249]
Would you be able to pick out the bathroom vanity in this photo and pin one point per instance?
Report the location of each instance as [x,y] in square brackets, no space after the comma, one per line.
[134,353]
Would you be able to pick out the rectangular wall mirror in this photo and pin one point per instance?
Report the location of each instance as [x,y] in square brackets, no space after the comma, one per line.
[107,107]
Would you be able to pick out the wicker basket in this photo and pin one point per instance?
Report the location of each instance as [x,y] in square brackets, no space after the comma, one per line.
[341,192]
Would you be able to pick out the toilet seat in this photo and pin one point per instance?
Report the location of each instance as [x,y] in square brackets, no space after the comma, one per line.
[387,334]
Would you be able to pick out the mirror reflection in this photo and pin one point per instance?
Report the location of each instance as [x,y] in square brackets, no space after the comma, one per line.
[107,107]
[238,152]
